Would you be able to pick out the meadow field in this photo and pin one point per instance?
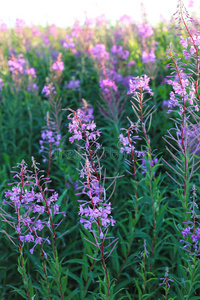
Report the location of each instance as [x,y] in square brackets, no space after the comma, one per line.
[100,160]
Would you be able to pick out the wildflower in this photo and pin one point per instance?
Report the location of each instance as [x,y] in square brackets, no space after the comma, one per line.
[99,52]
[48,90]
[50,138]
[74,84]
[166,279]
[58,65]
[145,30]
[141,82]
[106,85]
[1,84]
[31,216]
[148,56]
[95,212]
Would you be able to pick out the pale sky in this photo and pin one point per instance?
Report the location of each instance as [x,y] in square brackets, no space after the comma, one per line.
[64,12]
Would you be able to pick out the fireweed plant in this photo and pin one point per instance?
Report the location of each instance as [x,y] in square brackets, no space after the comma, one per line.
[140,160]
[139,239]
[95,212]
[34,211]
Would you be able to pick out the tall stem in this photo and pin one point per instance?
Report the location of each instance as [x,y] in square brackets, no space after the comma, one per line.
[18,225]
[182,129]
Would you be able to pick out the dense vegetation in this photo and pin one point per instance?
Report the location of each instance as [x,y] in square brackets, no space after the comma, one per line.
[101,123]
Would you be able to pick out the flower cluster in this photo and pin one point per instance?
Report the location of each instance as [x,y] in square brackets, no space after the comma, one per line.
[48,90]
[191,234]
[58,65]
[95,212]
[107,85]
[74,85]
[152,163]
[148,56]
[69,43]
[32,207]
[189,44]
[32,87]
[83,129]
[18,65]
[128,143]
[137,83]
[185,88]
[99,52]
[145,30]
[119,52]
[50,138]
[96,207]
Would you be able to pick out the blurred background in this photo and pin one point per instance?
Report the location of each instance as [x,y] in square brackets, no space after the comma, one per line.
[63,13]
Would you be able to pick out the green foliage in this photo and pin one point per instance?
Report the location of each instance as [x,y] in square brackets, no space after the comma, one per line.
[148,226]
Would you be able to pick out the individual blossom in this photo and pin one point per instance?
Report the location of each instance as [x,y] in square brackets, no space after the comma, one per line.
[131,63]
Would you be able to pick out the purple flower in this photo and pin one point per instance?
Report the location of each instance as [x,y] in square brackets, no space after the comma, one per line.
[1,84]
[31,72]
[148,56]
[120,52]
[74,84]
[99,52]
[106,85]
[48,90]
[145,30]
[137,83]
[50,136]
[30,218]
[58,65]
[96,208]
